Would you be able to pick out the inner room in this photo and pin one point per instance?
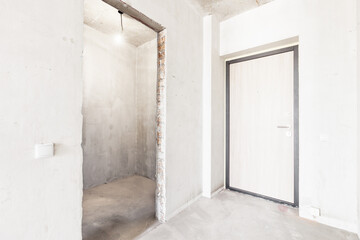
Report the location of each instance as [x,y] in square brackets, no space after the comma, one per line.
[119,128]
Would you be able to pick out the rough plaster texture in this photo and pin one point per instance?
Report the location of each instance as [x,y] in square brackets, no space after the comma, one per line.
[328,95]
[106,19]
[42,71]
[146,78]
[119,108]
[41,96]
[120,210]
[109,108]
[232,216]
[183,97]
[225,9]
[161,128]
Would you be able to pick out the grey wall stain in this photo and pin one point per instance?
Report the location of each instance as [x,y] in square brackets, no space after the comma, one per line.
[119,108]
[146,69]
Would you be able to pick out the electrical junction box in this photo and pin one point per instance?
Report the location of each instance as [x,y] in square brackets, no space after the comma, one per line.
[44,150]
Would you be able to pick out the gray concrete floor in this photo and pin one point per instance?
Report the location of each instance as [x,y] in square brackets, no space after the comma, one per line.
[231,215]
[119,210]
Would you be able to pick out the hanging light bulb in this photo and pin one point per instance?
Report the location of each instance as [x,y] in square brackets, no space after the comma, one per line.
[119,37]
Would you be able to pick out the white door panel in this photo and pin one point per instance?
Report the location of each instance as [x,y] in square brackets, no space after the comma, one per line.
[261,126]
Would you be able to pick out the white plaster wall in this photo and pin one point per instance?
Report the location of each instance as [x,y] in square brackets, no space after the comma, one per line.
[269,23]
[206,111]
[109,108]
[213,109]
[328,95]
[328,107]
[358,82]
[184,98]
[40,101]
[217,110]
[146,78]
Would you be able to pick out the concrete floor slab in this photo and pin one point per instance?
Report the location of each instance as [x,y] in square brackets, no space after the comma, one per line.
[119,210]
[231,215]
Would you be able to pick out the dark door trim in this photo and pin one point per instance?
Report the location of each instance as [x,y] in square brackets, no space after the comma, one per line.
[296,122]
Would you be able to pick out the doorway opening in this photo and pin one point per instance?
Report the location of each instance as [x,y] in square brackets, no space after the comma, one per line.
[262,125]
[124,124]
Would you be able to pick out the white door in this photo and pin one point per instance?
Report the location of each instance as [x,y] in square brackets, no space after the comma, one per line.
[261,126]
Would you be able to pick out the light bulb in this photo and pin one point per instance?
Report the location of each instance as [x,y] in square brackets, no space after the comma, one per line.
[119,38]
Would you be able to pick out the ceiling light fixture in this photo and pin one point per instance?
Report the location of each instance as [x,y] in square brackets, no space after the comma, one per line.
[121,19]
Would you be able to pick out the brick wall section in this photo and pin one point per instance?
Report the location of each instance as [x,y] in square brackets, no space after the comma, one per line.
[160,128]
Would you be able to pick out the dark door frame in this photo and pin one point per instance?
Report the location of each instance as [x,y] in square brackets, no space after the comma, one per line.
[296,123]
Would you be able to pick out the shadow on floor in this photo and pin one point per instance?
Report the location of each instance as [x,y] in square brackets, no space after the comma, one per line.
[119,210]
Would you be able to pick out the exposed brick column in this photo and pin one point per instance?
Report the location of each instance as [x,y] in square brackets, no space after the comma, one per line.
[160,128]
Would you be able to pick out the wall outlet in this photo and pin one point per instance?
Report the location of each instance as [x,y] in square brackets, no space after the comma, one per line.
[44,150]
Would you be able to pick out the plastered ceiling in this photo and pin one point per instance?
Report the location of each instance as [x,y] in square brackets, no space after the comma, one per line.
[106,19]
[228,8]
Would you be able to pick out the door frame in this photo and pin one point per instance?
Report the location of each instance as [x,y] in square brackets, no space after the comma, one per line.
[162,42]
[296,122]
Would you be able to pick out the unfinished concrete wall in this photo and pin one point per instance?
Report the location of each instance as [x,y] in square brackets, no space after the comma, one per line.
[109,108]
[40,102]
[183,98]
[146,78]
[41,67]
[328,96]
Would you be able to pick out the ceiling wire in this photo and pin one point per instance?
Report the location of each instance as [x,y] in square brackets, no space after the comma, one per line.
[121,19]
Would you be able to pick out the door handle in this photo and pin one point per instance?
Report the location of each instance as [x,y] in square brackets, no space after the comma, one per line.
[284,126]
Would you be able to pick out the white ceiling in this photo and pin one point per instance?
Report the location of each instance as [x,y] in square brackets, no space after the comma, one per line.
[106,19]
[228,8]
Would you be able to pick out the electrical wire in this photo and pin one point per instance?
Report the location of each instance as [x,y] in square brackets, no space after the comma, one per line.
[121,19]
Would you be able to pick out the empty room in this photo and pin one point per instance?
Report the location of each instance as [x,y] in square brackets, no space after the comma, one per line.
[119,108]
[177,120]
